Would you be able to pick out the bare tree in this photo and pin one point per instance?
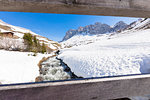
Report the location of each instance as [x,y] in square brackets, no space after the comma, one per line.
[11,44]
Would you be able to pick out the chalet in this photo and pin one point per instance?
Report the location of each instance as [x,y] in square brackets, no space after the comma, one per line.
[7,34]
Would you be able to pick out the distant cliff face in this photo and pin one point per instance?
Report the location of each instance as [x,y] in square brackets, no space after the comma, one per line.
[97,28]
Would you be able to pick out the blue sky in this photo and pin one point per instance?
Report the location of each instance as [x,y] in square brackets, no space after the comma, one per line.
[54,26]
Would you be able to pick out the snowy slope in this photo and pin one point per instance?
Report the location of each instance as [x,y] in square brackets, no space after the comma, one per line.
[14,28]
[122,53]
[78,40]
[19,32]
[18,67]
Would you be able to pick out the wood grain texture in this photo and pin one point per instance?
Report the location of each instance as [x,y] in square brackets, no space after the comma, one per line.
[127,8]
[86,89]
[92,89]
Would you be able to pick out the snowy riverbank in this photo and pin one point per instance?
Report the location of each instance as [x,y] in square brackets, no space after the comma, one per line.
[19,67]
[54,69]
[118,54]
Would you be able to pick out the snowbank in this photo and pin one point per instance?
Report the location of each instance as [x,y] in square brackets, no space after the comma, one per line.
[18,67]
[120,54]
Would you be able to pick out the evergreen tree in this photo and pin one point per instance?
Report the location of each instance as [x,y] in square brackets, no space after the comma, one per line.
[33,44]
[35,41]
[43,48]
[39,46]
[28,41]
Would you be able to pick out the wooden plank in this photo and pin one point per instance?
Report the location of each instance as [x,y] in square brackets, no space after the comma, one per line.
[97,89]
[127,8]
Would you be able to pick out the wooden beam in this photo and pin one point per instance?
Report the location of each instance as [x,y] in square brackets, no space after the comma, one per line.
[126,8]
[106,88]
[89,89]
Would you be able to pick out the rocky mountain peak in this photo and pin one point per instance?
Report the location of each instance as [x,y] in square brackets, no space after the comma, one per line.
[97,28]
[120,23]
[119,26]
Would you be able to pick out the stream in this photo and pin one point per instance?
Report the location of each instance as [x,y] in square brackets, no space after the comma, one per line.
[55,69]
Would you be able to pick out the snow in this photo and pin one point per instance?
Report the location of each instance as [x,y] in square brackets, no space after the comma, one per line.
[141,23]
[48,42]
[2,30]
[83,39]
[16,28]
[19,34]
[18,67]
[52,46]
[119,54]
[19,31]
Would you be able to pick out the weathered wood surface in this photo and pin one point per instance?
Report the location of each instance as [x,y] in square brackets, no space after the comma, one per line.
[127,8]
[91,89]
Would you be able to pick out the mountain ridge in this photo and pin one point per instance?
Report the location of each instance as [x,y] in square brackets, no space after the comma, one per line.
[94,29]
[77,40]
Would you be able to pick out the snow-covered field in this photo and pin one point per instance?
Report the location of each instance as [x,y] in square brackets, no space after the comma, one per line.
[120,54]
[18,67]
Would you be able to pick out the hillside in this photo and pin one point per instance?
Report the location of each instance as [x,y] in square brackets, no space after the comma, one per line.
[19,33]
[119,53]
[17,66]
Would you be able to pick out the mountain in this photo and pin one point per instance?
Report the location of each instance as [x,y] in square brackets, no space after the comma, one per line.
[97,28]
[140,24]
[19,33]
[123,52]
[118,28]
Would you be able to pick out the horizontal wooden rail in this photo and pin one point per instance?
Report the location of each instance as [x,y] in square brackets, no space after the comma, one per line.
[127,8]
[89,89]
